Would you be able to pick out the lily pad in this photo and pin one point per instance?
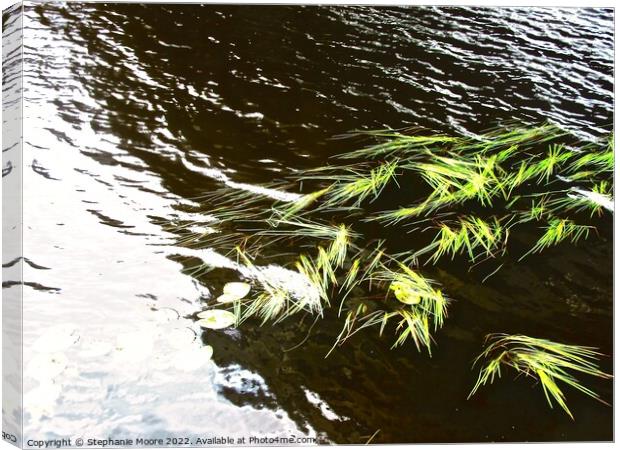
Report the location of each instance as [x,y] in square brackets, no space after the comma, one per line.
[405,294]
[236,289]
[227,298]
[216,319]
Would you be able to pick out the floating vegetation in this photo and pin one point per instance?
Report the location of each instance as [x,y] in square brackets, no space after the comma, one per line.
[305,229]
[227,298]
[548,166]
[396,142]
[600,161]
[559,230]
[549,362]
[411,299]
[426,304]
[280,296]
[216,319]
[464,197]
[468,234]
[237,289]
[233,292]
[292,208]
[411,288]
[355,186]
[593,201]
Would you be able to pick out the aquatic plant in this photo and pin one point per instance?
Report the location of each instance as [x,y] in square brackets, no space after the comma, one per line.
[410,298]
[356,186]
[600,161]
[396,142]
[216,319]
[468,234]
[278,299]
[487,169]
[290,209]
[306,229]
[558,230]
[594,200]
[547,166]
[513,135]
[530,178]
[549,362]
[233,292]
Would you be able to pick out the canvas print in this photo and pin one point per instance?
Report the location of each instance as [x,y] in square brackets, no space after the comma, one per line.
[240,225]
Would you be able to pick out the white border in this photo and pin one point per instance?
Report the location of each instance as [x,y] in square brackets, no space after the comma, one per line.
[551,3]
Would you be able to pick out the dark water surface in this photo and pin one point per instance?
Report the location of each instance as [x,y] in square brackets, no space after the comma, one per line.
[134,110]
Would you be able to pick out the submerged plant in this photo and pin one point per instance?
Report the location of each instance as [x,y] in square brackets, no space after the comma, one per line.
[277,297]
[306,229]
[453,180]
[550,362]
[411,288]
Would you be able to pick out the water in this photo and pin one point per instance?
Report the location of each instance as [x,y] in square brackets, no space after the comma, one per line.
[132,111]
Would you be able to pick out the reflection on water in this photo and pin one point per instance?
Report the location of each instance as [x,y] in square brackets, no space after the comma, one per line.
[134,111]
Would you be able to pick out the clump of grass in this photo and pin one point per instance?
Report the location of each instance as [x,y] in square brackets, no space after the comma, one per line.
[354,185]
[515,136]
[396,216]
[278,298]
[538,210]
[549,362]
[230,204]
[291,209]
[453,180]
[594,200]
[411,298]
[540,169]
[559,230]
[601,161]
[275,302]
[393,142]
[269,304]
[362,269]
[351,278]
[505,174]
[469,234]
[320,272]
[340,245]
[414,325]
[460,178]
[356,320]
[546,167]
[307,229]
[411,288]
[413,302]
